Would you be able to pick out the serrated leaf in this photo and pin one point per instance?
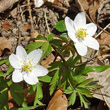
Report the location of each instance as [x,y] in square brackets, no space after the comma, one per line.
[83,100]
[79,69]
[60,26]
[44,48]
[46,78]
[95,69]
[84,83]
[54,82]
[39,93]
[84,91]
[72,98]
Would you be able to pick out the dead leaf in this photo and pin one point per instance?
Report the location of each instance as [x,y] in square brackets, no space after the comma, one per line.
[103,79]
[89,6]
[4,44]
[58,101]
[5,4]
[48,61]
[6,25]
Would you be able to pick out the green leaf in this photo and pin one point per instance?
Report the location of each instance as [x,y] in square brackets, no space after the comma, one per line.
[54,82]
[47,78]
[3,84]
[94,86]
[9,70]
[69,90]
[63,79]
[34,45]
[49,37]
[39,93]
[84,83]
[95,69]
[1,74]
[19,99]
[60,26]
[79,69]
[72,98]
[45,48]
[40,37]
[83,101]
[17,88]
[71,61]
[3,98]
[56,42]
[55,66]
[84,91]
[3,61]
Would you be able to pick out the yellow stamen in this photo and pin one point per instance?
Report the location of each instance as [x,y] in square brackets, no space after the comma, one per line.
[81,33]
[27,66]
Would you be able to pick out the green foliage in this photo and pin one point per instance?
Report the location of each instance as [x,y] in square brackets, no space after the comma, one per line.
[3,98]
[39,94]
[60,26]
[95,69]
[66,71]
[16,91]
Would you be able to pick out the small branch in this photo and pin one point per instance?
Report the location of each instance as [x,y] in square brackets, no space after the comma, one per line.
[46,21]
[29,9]
[102,30]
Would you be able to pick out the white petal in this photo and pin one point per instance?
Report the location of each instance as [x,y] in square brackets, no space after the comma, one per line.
[15,61]
[39,70]
[91,29]
[91,42]
[69,24]
[81,48]
[30,78]
[38,3]
[17,76]
[21,53]
[35,56]
[80,20]
[72,36]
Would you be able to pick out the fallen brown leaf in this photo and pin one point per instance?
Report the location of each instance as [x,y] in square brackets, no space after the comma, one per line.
[4,44]
[89,6]
[5,4]
[58,101]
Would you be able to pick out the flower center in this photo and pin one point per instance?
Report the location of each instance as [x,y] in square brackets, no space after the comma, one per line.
[81,33]
[27,66]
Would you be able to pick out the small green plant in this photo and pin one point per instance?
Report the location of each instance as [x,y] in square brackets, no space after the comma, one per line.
[70,73]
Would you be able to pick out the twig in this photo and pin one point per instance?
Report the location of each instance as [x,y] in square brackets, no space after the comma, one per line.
[29,9]
[102,30]
[46,21]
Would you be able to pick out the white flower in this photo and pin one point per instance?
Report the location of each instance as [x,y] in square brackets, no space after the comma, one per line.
[39,3]
[81,33]
[26,66]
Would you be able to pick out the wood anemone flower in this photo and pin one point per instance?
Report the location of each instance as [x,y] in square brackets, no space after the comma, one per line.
[26,66]
[81,33]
